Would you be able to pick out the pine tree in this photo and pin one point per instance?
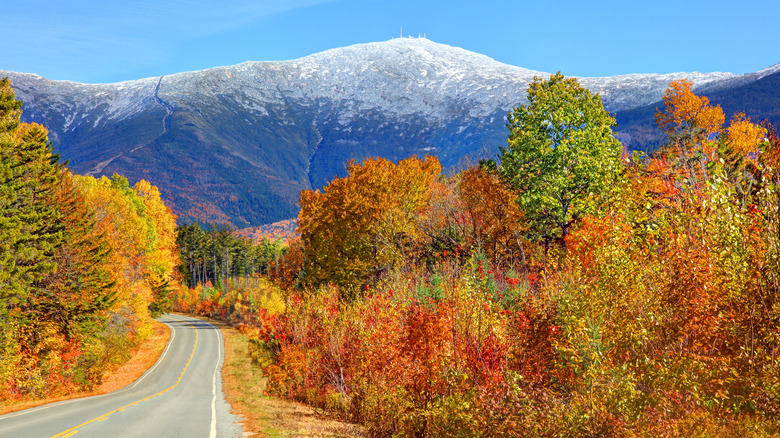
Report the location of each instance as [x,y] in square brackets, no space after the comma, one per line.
[30,230]
[82,286]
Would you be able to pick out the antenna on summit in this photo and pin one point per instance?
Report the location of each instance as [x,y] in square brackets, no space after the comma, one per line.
[402,32]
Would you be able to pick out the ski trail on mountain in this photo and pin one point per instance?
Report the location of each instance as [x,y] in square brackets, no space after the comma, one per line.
[166,125]
[168,108]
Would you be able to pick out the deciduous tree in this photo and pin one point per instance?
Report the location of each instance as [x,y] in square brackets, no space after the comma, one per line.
[561,149]
[358,225]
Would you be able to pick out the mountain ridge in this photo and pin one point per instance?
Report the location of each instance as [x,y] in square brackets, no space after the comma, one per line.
[238,143]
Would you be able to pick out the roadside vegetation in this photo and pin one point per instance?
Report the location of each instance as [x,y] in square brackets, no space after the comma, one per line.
[262,415]
[567,289]
[84,263]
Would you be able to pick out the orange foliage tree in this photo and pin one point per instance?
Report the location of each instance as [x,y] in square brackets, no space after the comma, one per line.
[360,224]
[689,121]
[497,219]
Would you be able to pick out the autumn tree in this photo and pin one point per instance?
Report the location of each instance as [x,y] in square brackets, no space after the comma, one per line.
[360,224]
[496,218]
[163,254]
[81,287]
[561,149]
[689,122]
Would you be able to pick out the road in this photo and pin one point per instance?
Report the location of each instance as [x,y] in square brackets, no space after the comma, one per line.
[180,396]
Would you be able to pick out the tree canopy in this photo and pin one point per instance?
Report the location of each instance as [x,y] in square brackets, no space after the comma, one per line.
[560,149]
[357,225]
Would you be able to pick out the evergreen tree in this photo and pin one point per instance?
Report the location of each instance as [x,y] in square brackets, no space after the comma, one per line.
[82,286]
[30,230]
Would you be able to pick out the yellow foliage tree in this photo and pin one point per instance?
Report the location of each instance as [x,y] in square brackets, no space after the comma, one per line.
[360,224]
[744,137]
[164,252]
[139,229]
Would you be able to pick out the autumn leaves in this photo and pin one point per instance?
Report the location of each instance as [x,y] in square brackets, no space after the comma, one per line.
[569,290]
[81,261]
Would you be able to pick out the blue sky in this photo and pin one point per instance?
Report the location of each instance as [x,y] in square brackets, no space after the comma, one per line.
[109,41]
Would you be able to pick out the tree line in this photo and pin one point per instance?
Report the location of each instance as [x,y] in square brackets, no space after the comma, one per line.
[83,264]
[215,254]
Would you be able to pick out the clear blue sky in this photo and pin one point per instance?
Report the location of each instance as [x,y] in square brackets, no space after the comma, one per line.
[111,40]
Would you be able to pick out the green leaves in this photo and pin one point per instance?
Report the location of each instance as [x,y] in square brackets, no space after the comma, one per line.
[560,150]
[29,174]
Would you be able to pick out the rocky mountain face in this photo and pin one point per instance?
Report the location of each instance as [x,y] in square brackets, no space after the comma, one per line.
[238,143]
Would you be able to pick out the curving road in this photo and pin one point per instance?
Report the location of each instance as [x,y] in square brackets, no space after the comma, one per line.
[180,396]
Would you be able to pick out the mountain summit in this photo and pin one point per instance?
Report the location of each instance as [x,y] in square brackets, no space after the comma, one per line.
[238,143]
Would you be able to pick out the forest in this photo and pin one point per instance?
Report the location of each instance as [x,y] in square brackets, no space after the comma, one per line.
[84,263]
[566,288]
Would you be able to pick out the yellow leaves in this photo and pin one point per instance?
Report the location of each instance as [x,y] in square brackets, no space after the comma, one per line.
[32,132]
[164,255]
[744,137]
[352,228]
[139,228]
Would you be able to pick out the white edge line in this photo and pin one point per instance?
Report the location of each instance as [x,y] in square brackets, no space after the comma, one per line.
[213,432]
[159,361]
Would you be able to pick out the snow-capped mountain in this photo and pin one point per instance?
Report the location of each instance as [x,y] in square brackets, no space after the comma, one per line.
[238,143]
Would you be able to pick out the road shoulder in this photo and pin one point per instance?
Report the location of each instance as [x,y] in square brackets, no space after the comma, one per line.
[143,357]
[244,386]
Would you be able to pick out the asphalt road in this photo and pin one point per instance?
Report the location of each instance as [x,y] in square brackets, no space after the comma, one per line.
[180,396]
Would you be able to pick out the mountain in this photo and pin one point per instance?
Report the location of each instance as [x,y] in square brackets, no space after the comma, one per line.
[755,94]
[238,143]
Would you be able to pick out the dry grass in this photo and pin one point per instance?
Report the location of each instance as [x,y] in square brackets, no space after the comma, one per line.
[141,360]
[265,416]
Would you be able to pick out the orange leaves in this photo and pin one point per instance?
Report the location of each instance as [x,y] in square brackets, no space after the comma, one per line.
[497,218]
[685,111]
[744,137]
[689,121]
[358,225]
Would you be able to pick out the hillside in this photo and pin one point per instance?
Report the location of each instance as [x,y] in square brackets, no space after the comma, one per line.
[238,143]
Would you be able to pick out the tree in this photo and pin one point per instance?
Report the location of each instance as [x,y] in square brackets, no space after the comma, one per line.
[561,148]
[359,225]
[81,288]
[686,114]
[29,222]
[689,122]
[496,218]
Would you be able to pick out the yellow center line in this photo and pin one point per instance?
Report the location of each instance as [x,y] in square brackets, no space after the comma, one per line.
[74,430]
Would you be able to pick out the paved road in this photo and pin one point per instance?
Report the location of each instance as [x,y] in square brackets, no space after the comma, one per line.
[180,396]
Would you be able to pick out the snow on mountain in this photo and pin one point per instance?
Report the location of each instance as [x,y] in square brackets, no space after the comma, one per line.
[238,143]
[406,77]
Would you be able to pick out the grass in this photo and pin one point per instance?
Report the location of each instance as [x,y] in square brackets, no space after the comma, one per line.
[264,416]
[141,360]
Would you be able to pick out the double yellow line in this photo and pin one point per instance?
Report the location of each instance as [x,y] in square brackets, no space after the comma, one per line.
[75,429]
